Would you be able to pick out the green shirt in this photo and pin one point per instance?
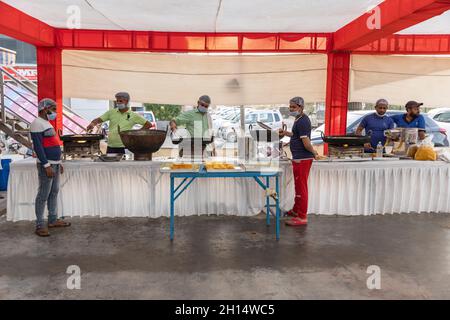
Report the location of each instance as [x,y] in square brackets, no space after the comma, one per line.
[125,121]
[195,122]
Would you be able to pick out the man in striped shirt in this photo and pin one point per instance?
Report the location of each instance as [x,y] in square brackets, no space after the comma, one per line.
[48,152]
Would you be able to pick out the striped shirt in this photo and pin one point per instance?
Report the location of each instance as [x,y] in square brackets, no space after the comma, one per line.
[45,142]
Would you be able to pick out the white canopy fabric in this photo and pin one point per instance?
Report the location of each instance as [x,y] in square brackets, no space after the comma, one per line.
[182,78]
[437,25]
[200,15]
[400,79]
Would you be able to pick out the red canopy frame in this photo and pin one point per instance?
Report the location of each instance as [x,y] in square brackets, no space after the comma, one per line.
[355,37]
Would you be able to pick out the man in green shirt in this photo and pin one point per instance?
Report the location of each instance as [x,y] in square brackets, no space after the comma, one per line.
[121,116]
[197,121]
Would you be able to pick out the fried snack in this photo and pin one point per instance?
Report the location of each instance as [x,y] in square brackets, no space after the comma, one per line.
[218,166]
[178,166]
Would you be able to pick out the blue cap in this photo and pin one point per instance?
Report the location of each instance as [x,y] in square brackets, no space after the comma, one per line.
[46,103]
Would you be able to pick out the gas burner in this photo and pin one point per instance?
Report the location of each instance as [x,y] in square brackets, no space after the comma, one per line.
[81,146]
[345,152]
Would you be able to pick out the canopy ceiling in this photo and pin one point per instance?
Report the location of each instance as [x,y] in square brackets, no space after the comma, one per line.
[201,15]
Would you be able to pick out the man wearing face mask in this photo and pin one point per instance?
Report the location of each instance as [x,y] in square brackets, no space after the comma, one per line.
[303,154]
[375,124]
[119,117]
[48,152]
[197,121]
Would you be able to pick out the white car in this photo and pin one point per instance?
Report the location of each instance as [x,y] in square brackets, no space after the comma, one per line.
[231,130]
[228,116]
[442,117]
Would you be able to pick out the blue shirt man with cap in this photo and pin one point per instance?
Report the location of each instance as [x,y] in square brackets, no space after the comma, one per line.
[412,118]
[375,124]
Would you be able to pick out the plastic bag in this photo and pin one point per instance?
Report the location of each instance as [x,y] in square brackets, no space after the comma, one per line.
[444,155]
[425,150]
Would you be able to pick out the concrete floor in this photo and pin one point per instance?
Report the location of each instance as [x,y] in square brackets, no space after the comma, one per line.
[230,258]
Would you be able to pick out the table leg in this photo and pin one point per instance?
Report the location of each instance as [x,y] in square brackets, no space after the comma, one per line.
[267,202]
[172,209]
[277,186]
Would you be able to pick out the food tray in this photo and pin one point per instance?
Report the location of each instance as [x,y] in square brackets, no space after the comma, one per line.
[347,160]
[236,169]
[386,159]
[167,168]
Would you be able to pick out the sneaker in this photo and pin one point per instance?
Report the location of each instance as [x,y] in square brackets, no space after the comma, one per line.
[294,222]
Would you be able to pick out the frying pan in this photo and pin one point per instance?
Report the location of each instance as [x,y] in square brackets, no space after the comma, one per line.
[82,137]
[347,140]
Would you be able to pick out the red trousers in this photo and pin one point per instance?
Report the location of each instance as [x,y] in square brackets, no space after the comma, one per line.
[301,173]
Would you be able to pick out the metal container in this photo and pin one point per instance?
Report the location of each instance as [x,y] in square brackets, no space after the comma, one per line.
[262,135]
[143,142]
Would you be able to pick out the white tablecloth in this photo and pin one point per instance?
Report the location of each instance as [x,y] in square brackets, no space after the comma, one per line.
[130,189]
[138,189]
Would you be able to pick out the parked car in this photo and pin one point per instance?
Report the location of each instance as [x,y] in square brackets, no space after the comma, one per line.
[441,116]
[272,118]
[150,117]
[354,118]
[224,118]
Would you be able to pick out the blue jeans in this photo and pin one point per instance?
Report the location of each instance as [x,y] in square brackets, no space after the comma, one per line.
[47,193]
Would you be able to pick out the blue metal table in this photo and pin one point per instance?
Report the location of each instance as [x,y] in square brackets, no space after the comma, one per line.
[189,177]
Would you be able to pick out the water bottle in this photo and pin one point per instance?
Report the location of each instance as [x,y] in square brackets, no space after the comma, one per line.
[379,150]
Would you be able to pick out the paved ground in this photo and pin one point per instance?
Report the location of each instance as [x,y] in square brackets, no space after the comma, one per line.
[230,257]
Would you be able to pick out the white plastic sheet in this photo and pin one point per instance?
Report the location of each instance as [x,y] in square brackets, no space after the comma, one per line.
[182,78]
[400,79]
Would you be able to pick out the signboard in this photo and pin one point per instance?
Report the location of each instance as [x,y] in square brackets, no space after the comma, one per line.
[28,72]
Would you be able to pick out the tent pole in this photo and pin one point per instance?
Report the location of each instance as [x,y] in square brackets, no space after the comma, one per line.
[49,67]
[336,104]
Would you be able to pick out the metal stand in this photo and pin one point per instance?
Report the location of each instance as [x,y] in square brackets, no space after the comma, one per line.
[189,177]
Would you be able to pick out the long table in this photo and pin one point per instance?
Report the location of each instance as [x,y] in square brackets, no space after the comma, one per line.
[139,189]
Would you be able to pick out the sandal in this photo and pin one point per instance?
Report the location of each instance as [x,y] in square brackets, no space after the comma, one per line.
[42,232]
[59,224]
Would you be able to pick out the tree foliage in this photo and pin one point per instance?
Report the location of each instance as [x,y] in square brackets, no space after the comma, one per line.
[163,111]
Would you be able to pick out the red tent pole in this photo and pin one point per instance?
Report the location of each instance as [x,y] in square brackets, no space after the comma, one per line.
[336,103]
[49,67]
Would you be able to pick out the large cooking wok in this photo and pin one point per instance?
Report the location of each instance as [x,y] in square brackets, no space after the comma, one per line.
[350,140]
[143,142]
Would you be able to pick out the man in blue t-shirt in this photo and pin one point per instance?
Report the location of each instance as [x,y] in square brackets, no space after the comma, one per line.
[303,154]
[375,123]
[412,118]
